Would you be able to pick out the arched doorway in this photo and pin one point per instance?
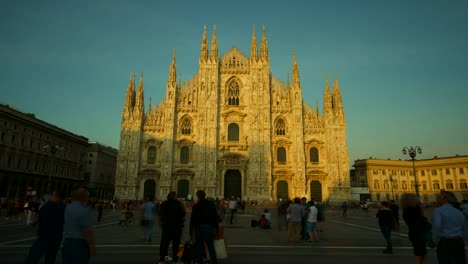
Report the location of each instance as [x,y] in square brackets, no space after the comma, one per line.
[182,188]
[282,190]
[232,184]
[149,190]
[316,191]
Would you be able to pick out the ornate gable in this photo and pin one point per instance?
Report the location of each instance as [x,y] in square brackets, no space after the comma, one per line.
[234,61]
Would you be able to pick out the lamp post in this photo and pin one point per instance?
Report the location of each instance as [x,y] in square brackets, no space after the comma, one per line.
[412,153]
[53,150]
[391,184]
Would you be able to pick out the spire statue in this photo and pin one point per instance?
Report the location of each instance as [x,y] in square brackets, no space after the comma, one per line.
[204,47]
[172,68]
[214,46]
[253,46]
[295,69]
[327,99]
[264,46]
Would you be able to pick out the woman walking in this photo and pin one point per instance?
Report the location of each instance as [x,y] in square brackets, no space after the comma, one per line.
[417,223]
[385,216]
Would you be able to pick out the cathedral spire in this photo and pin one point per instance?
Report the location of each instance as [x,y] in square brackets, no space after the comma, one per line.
[130,98]
[264,46]
[317,110]
[253,46]
[139,103]
[214,46]
[204,47]
[172,69]
[327,100]
[337,100]
[295,70]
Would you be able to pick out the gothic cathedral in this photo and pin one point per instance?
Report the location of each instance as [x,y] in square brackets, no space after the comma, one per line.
[233,129]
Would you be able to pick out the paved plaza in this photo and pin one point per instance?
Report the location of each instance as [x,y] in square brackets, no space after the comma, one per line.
[352,239]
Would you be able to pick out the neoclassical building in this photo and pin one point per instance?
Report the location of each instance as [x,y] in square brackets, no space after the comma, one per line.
[388,179]
[233,129]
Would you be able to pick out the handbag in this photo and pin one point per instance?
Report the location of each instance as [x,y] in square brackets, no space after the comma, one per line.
[220,249]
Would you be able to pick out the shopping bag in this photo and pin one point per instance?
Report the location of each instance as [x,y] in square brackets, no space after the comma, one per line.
[180,253]
[220,249]
[188,252]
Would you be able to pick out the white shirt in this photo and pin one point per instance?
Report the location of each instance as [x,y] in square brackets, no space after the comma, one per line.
[268,216]
[233,204]
[313,212]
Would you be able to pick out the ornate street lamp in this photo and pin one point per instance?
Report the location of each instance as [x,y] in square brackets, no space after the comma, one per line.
[53,150]
[412,153]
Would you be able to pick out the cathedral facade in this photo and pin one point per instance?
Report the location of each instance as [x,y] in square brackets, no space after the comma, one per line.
[233,129]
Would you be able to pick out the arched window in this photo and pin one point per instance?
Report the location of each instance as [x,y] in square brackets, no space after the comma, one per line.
[151,158]
[186,127]
[281,154]
[385,185]
[436,185]
[233,132]
[184,155]
[404,186]
[314,155]
[280,127]
[233,93]
[376,185]
[449,185]
[463,184]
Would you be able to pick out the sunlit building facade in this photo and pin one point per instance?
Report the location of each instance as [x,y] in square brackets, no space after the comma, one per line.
[388,179]
[233,129]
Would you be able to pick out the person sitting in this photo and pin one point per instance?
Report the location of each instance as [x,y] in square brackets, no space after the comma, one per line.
[263,222]
[267,215]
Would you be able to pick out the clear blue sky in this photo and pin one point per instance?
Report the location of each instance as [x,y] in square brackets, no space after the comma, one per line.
[402,64]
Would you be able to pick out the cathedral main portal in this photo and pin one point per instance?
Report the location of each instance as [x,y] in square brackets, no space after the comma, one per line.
[232,184]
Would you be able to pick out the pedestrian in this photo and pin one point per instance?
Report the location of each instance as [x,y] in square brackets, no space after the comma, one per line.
[396,214]
[203,221]
[417,223]
[282,213]
[296,212]
[233,208]
[172,214]
[385,217]
[449,228]
[78,243]
[305,206]
[267,215]
[100,210]
[147,219]
[312,222]
[344,208]
[50,221]
[243,204]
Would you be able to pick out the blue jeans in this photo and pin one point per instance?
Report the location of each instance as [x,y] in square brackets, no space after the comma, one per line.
[387,234]
[42,246]
[149,230]
[204,233]
[75,251]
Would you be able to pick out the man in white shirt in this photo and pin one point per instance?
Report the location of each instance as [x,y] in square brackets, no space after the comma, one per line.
[312,222]
[233,208]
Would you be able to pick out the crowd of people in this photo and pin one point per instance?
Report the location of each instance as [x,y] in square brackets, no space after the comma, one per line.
[70,221]
[449,226]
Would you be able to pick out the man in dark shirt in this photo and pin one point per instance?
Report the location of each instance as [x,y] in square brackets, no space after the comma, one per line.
[172,215]
[396,213]
[203,220]
[49,231]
